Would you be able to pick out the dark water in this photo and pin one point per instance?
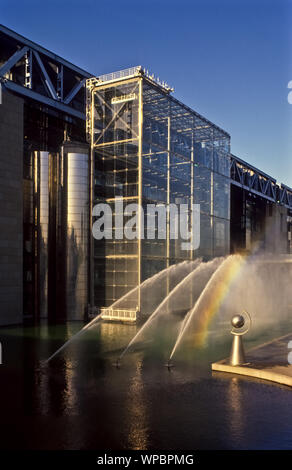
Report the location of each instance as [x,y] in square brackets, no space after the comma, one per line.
[81,401]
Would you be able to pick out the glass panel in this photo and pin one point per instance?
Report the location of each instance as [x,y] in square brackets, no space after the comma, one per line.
[221,188]
[184,160]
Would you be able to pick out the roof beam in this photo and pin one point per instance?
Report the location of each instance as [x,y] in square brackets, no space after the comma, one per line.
[48,82]
[12,60]
[42,50]
[43,99]
[74,91]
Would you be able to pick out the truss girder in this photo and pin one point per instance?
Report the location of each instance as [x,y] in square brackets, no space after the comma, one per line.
[46,77]
[52,70]
[254,181]
[74,91]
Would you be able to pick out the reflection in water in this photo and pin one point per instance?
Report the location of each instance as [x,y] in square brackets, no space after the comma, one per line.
[80,401]
[236,414]
[137,412]
[70,398]
[56,394]
[114,335]
[41,377]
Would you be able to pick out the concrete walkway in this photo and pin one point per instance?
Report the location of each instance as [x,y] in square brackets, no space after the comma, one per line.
[268,361]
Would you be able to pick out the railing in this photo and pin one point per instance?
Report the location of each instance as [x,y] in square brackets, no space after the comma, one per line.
[130,72]
[117,314]
[120,74]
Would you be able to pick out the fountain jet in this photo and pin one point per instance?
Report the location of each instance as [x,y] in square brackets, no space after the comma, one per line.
[210,298]
[145,286]
[191,284]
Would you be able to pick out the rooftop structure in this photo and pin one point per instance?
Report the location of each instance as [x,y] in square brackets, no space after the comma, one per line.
[34,72]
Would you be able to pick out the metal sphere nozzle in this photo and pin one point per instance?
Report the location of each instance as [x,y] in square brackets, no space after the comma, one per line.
[237,321]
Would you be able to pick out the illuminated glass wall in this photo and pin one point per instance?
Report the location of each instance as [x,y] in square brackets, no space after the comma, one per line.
[185,159]
[116,142]
[150,148]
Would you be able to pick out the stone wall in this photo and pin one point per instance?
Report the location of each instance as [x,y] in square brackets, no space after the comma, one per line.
[11,218]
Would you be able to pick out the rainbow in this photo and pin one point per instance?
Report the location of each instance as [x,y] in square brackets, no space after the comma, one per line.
[214,294]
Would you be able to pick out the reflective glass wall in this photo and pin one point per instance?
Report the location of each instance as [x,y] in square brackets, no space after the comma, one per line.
[151,149]
[185,159]
[116,161]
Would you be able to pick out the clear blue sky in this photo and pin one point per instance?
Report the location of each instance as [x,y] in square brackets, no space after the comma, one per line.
[230,60]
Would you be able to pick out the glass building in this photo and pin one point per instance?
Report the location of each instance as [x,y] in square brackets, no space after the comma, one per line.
[149,148]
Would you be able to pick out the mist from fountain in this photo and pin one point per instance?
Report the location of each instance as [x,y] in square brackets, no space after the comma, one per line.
[179,300]
[256,284]
[171,274]
[203,305]
[154,289]
[74,337]
[263,288]
[211,293]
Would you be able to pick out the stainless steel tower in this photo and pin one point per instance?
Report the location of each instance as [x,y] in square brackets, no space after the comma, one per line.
[74,214]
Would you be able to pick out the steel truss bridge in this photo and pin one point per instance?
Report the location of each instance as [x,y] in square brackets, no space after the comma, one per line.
[259,183]
[34,72]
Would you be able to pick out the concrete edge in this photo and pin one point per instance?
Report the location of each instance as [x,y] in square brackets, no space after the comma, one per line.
[264,374]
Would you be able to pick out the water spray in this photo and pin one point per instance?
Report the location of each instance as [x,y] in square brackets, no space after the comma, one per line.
[79,333]
[117,364]
[169,365]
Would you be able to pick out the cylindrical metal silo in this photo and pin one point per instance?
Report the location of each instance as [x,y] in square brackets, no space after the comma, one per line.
[41,221]
[74,222]
[43,235]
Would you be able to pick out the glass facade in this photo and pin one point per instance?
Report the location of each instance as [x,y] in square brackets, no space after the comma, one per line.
[116,160]
[149,148]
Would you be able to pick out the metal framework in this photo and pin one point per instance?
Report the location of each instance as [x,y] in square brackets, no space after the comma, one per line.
[148,147]
[34,72]
[257,182]
[186,118]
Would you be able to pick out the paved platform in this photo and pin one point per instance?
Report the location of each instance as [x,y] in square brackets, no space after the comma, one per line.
[268,361]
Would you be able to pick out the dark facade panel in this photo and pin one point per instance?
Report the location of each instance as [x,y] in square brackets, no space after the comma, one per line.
[11,208]
[258,225]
